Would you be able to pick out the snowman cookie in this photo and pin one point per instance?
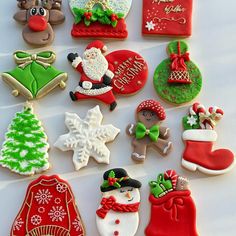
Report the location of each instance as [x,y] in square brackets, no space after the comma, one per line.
[147,132]
[177,79]
[118,210]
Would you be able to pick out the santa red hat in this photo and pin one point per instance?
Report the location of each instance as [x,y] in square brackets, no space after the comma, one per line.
[152,105]
[97,44]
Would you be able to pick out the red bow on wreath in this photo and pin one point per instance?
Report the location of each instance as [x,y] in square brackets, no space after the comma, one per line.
[172,205]
[178,61]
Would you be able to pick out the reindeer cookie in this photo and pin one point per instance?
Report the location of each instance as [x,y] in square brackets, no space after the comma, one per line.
[38,16]
[148,132]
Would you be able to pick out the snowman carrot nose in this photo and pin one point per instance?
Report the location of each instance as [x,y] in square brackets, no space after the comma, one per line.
[128,195]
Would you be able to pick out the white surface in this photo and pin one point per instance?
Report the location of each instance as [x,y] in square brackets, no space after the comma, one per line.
[212,47]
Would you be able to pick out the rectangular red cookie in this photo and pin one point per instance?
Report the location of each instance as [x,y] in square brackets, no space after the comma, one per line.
[167,17]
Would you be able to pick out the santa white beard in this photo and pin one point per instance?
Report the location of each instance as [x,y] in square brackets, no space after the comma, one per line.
[96,68]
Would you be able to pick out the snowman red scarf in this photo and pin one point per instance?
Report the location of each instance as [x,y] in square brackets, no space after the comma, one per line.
[111,204]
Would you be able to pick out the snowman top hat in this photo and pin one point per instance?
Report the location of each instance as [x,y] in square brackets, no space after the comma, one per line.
[118,178]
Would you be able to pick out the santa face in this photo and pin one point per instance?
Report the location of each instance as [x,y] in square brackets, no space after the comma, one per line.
[125,195]
[148,118]
[94,64]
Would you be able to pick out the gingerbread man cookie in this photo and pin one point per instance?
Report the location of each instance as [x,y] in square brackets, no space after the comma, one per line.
[148,132]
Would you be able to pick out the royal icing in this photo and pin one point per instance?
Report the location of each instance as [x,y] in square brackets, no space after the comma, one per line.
[177,79]
[87,138]
[147,132]
[25,150]
[167,17]
[173,211]
[38,16]
[47,211]
[34,75]
[199,136]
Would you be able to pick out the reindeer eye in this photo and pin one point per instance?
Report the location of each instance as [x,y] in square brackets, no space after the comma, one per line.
[42,11]
[33,11]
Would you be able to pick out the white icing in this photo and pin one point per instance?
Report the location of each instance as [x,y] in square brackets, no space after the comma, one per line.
[76,62]
[18,224]
[191,120]
[150,25]
[77,225]
[35,220]
[138,155]
[43,196]
[87,85]
[110,74]
[167,147]
[87,138]
[131,128]
[57,213]
[93,92]
[200,135]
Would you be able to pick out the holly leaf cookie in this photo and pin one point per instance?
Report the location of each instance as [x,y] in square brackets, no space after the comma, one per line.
[87,138]
[177,79]
[49,208]
[34,75]
[25,150]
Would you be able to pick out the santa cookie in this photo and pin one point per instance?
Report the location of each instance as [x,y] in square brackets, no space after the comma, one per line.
[38,16]
[25,150]
[118,210]
[48,209]
[199,136]
[87,138]
[167,17]
[177,79]
[124,72]
[173,211]
[147,132]
[100,18]
[34,76]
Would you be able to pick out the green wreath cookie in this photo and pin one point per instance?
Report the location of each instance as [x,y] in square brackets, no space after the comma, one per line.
[177,79]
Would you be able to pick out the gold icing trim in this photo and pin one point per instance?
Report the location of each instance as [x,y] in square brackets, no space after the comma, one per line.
[180,20]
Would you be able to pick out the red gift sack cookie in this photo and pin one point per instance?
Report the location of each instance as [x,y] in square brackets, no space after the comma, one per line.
[173,211]
[100,18]
[167,17]
[48,209]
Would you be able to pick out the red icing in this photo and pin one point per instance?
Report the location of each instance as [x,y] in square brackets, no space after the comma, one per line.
[37,23]
[117,221]
[116,233]
[200,153]
[175,21]
[172,215]
[130,69]
[49,208]
[172,175]
[96,29]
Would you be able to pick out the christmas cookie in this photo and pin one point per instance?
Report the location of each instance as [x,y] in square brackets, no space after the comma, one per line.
[100,18]
[25,150]
[173,211]
[87,138]
[34,76]
[199,137]
[124,72]
[38,16]
[147,132]
[177,79]
[167,17]
[48,209]
[118,210]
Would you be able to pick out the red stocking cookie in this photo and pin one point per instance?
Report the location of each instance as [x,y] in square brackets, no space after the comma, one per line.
[167,17]
[48,209]
[173,211]
[124,72]
[148,132]
[199,136]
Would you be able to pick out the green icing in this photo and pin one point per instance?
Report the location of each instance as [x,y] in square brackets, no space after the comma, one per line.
[186,124]
[25,149]
[173,47]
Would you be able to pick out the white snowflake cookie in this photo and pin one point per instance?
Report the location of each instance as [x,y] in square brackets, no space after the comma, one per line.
[87,138]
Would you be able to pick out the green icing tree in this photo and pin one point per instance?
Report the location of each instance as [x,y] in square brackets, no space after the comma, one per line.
[25,150]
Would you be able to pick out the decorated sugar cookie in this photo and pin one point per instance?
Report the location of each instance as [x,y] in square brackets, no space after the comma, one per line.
[38,16]
[148,132]
[87,138]
[177,79]
[100,18]
[199,137]
[123,72]
[117,213]
[173,211]
[48,209]
[25,150]
[34,76]
[167,17]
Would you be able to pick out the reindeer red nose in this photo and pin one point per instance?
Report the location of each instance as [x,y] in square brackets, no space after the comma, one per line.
[37,23]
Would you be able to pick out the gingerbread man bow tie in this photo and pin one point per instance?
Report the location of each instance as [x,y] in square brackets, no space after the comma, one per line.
[141,131]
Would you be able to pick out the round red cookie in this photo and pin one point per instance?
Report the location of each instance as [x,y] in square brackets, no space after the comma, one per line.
[131,71]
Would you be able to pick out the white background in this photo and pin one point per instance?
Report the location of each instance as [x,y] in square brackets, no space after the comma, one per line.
[212,47]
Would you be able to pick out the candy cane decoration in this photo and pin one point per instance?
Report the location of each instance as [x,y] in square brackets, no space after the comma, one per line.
[197,108]
[171,174]
[216,113]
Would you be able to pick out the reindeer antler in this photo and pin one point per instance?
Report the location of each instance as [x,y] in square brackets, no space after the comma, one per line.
[26,4]
[52,4]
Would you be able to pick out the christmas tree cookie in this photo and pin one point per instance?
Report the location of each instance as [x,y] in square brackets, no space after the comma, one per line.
[177,79]
[100,18]
[25,150]
[34,76]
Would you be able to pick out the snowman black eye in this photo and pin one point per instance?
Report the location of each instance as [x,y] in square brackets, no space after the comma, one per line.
[130,190]
[33,11]
[122,191]
[42,11]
